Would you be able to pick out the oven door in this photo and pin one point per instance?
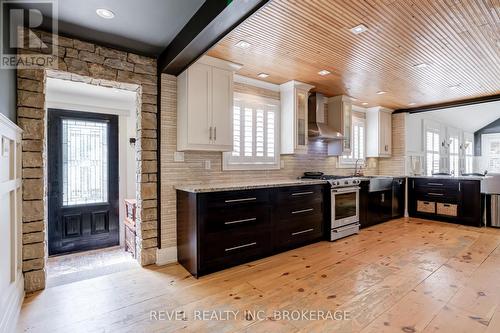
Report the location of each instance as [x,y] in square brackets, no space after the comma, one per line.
[345,206]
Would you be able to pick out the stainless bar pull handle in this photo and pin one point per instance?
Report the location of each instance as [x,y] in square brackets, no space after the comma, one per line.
[435,184]
[210,133]
[302,232]
[240,246]
[241,221]
[302,211]
[436,194]
[459,187]
[240,200]
[301,193]
[215,133]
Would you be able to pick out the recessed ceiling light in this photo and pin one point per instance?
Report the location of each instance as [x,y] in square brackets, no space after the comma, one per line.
[422,65]
[358,29]
[454,86]
[381,92]
[412,103]
[263,75]
[364,103]
[323,72]
[105,13]
[243,44]
[354,99]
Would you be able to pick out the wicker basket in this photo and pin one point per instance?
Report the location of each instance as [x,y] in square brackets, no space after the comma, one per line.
[426,206]
[446,209]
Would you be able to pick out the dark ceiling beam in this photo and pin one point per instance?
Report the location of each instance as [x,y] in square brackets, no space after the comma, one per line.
[447,105]
[214,20]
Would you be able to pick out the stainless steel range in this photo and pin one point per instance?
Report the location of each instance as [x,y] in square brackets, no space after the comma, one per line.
[344,203]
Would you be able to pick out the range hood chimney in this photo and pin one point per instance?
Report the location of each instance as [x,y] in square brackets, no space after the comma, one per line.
[319,130]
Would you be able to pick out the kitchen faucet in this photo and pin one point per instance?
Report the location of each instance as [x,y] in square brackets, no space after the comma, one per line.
[356,172]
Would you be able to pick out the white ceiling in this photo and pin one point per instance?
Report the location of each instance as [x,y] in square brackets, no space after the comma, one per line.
[469,118]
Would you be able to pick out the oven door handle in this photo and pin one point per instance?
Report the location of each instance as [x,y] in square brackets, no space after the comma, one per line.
[345,189]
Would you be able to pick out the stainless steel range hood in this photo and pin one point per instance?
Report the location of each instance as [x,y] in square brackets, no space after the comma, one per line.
[319,130]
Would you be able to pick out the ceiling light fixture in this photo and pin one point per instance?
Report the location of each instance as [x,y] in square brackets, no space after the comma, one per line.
[358,29]
[422,65]
[411,104]
[454,86]
[263,75]
[323,72]
[364,103]
[243,44]
[381,92]
[105,13]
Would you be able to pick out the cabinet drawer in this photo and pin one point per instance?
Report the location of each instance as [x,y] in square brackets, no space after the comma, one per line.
[437,194]
[446,209]
[299,209]
[434,184]
[299,231]
[426,206]
[300,194]
[228,249]
[236,218]
[234,198]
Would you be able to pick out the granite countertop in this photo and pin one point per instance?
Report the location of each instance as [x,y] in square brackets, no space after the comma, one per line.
[219,187]
[449,177]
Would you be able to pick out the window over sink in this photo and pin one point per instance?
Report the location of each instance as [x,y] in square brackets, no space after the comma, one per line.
[358,151]
[255,134]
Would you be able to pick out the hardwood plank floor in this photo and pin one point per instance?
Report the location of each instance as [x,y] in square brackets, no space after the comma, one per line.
[406,275]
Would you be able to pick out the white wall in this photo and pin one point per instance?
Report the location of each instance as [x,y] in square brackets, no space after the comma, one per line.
[78,96]
[11,279]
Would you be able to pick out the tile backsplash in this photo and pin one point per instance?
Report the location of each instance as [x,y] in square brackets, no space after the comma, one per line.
[192,170]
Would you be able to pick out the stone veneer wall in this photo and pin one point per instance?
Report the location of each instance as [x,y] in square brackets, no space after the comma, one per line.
[192,170]
[395,165]
[93,64]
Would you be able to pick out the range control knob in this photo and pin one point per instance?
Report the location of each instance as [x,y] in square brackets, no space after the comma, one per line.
[346,182]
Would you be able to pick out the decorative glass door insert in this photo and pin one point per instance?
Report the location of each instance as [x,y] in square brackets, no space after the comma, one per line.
[84,162]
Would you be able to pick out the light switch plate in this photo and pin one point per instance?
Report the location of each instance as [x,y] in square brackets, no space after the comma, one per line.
[282,164]
[179,156]
[208,164]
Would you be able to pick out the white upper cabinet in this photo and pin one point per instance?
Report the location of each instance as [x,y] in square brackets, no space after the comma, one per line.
[294,96]
[205,106]
[378,132]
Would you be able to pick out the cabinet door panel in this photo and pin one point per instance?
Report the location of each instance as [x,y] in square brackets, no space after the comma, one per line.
[222,107]
[199,78]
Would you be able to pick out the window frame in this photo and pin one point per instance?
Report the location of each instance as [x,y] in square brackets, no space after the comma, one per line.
[349,162]
[243,163]
[436,129]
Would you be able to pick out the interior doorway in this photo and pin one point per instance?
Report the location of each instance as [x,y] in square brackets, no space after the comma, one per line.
[91,168]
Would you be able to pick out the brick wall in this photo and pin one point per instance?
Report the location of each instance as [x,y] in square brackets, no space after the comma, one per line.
[85,62]
[192,170]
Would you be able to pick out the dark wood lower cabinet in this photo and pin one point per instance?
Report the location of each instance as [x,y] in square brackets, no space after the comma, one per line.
[449,200]
[217,230]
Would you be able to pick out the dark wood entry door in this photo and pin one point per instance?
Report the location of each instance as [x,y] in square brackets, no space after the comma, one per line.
[83,181]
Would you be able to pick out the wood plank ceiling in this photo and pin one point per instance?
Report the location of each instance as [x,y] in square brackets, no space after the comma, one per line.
[459,40]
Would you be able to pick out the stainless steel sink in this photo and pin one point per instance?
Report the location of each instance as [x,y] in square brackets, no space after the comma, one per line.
[380,183]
